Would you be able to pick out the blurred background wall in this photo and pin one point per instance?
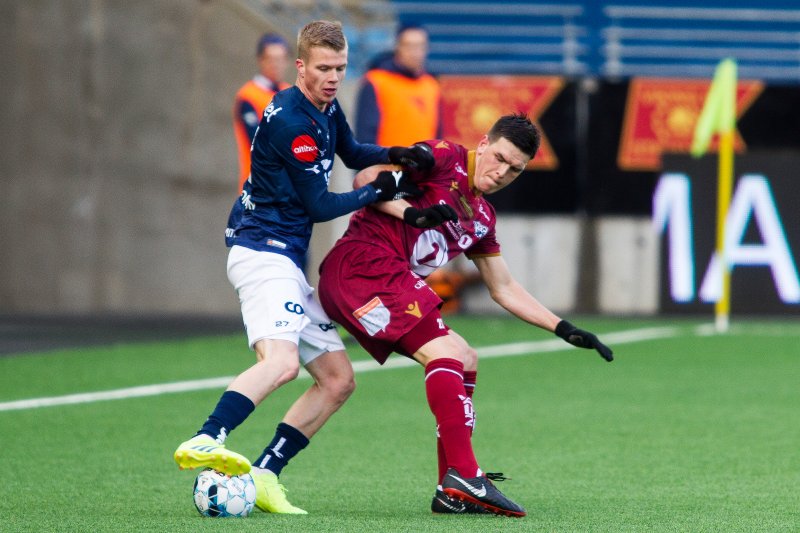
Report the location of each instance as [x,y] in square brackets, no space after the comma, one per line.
[117,156]
[118,164]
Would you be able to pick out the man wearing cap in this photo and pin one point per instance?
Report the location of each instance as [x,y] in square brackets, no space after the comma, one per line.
[272,53]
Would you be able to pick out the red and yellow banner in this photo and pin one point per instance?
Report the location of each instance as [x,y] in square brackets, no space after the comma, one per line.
[660,117]
[472,104]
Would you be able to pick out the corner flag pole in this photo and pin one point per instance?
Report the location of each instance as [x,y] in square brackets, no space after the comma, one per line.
[719,115]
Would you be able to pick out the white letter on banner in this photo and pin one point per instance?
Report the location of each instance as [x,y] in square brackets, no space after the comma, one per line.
[672,208]
[753,195]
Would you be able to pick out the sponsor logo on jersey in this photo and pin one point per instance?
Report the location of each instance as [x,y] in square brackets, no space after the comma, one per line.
[442,144]
[461,170]
[413,309]
[247,201]
[480,230]
[429,253]
[485,215]
[276,244]
[304,148]
[271,111]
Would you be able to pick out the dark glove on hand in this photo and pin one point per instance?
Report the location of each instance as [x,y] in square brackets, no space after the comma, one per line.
[416,157]
[429,217]
[393,185]
[583,339]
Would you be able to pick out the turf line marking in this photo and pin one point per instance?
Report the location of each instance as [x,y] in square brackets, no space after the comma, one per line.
[484,352]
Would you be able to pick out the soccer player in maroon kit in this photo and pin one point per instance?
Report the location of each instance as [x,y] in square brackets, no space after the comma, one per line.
[373,283]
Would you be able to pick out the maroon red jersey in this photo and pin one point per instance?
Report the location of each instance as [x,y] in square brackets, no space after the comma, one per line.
[449,182]
[371,281]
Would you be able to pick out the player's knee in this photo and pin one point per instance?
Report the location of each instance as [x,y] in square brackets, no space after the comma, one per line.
[284,365]
[470,359]
[341,387]
[285,370]
[291,372]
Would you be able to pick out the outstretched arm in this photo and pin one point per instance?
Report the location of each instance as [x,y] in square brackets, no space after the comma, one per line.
[513,297]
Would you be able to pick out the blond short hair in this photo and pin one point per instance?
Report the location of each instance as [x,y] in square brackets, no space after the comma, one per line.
[322,33]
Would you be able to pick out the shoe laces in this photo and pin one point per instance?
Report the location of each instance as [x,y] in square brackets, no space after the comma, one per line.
[496,476]
[284,490]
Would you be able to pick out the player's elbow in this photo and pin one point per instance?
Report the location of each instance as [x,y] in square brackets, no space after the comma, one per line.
[319,213]
[502,296]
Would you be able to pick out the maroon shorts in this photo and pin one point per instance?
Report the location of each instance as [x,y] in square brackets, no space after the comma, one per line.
[374,295]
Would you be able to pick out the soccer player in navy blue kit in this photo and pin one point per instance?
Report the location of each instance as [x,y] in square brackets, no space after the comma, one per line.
[269,231]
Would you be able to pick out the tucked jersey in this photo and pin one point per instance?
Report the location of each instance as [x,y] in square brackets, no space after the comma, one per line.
[449,182]
[292,158]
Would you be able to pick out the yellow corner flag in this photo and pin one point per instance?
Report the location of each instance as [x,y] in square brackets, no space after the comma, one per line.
[719,110]
[719,116]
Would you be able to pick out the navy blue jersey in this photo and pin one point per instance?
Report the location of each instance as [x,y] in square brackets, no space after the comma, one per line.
[291,161]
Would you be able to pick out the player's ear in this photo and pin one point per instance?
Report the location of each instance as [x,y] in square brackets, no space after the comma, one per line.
[482,144]
[301,67]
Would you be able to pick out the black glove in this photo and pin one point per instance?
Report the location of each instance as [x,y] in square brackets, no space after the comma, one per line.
[416,157]
[583,339]
[393,185]
[430,216]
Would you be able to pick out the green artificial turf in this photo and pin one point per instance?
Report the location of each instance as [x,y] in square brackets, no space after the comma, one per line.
[687,432]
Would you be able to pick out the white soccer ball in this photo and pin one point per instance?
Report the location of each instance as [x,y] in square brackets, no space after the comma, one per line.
[219,495]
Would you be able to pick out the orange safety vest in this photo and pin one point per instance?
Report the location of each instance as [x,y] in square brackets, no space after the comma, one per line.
[409,107]
[258,97]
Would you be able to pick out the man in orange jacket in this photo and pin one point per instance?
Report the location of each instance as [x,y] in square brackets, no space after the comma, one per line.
[399,101]
[272,53]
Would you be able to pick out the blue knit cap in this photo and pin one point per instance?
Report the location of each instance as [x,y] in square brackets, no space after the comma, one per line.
[268,39]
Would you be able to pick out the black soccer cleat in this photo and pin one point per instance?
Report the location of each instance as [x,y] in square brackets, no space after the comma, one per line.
[444,504]
[480,491]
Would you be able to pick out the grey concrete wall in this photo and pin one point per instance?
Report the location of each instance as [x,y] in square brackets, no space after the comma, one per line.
[118,165]
[543,255]
[549,254]
[117,159]
[628,265]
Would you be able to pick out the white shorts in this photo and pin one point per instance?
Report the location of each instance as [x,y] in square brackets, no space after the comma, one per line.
[278,303]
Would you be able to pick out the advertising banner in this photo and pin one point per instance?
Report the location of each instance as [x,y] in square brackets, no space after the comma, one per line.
[660,116]
[762,234]
[471,104]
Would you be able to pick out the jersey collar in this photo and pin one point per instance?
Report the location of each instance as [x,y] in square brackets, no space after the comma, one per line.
[265,83]
[471,172]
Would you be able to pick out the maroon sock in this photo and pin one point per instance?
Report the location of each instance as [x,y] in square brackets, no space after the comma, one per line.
[470,378]
[452,408]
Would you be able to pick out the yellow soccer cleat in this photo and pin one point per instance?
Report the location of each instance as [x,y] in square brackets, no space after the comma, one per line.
[271,495]
[204,451]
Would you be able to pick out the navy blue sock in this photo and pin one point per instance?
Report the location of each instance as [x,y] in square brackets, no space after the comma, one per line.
[286,443]
[231,410]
